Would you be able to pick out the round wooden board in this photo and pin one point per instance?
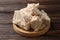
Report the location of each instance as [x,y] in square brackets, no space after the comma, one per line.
[29,34]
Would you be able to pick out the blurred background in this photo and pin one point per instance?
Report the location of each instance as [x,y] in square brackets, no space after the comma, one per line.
[7,8]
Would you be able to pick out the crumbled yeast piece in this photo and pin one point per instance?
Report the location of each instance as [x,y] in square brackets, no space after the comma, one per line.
[31,16]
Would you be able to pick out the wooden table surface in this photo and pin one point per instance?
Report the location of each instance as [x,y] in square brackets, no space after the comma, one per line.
[7,7]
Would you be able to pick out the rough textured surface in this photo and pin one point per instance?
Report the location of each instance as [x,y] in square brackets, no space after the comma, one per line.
[52,7]
[31,17]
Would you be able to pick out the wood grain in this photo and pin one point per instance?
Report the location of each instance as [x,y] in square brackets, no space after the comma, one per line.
[7,32]
[7,17]
[47,2]
[47,8]
[7,8]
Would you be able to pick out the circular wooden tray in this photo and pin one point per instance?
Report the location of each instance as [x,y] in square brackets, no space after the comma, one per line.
[29,34]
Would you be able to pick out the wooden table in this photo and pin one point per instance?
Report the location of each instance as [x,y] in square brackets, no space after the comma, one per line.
[7,7]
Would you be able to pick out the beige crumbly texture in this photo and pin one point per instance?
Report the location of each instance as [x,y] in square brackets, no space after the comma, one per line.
[31,16]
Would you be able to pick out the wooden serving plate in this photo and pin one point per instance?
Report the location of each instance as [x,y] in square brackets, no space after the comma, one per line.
[28,33]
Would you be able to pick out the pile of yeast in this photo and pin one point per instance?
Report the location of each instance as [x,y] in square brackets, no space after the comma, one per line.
[31,17]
